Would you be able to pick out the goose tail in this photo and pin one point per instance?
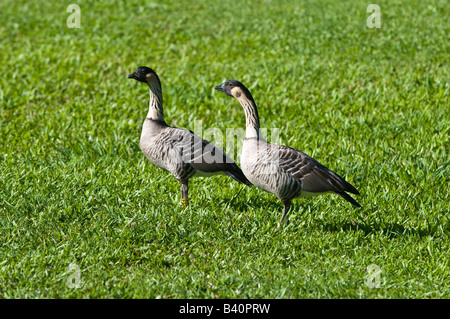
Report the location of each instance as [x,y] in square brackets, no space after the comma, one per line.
[238,176]
[349,199]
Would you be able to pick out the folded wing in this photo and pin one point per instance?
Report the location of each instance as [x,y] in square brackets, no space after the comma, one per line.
[203,155]
[314,177]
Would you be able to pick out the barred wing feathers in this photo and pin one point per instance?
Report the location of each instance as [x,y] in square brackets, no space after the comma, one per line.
[313,176]
[200,154]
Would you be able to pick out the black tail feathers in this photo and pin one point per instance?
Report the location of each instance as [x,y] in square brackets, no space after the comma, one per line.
[239,176]
[349,198]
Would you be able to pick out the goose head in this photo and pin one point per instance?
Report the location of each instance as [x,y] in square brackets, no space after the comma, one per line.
[144,74]
[234,89]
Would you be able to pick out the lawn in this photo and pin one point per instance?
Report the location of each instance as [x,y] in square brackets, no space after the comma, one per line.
[372,104]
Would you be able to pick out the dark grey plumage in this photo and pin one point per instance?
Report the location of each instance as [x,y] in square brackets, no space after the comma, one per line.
[179,150]
[284,171]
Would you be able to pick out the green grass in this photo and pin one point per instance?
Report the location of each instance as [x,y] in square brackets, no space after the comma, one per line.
[371,104]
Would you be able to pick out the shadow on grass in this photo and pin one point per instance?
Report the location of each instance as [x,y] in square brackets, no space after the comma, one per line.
[254,204]
[239,203]
[392,231]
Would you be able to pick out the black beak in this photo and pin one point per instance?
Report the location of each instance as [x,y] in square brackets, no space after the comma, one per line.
[132,76]
[220,87]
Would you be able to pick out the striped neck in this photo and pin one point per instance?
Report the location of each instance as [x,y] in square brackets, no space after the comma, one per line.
[155,109]
[251,117]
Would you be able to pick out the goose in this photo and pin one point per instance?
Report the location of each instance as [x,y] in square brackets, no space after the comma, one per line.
[178,150]
[281,170]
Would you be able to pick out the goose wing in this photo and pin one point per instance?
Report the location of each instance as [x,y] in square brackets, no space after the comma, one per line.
[315,177]
[203,155]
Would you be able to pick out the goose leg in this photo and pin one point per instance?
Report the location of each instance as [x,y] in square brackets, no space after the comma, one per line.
[286,207]
[184,194]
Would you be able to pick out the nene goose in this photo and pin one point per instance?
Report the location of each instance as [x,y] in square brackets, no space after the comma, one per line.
[179,150]
[281,170]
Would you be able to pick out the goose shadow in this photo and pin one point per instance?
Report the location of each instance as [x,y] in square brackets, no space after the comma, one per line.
[354,223]
[391,230]
[241,205]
